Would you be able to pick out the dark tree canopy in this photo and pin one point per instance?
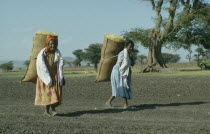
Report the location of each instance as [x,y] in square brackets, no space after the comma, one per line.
[26,63]
[67,62]
[171,58]
[142,59]
[7,66]
[93,53]
[139,35]
[78,54]
[193,25]
[187,26]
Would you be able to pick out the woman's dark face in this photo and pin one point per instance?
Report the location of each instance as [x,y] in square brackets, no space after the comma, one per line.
[53,45]
[130,48]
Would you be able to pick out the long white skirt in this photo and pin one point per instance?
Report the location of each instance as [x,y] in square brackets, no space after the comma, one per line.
[117,84]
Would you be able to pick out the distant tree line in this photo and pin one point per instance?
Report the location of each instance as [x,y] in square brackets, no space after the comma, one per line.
[201,54]
[92,54]
[167,57]
[7,66]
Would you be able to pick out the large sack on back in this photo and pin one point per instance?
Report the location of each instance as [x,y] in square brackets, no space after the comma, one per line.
[39,41]
[112,45]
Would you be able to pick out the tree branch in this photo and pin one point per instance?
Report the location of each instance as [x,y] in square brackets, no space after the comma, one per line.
[169,24]
[159,16]
[186,11]
[183,2]
[153,4]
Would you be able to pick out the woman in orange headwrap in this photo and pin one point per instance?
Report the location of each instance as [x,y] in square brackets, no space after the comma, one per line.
[50,77]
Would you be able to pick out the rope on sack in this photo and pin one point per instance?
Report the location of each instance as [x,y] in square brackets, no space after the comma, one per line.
[109,57]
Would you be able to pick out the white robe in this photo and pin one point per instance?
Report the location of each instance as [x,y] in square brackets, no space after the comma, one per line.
[42,70]
[125,68]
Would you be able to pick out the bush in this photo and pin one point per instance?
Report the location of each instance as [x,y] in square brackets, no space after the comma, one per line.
[7,66]
[170,58]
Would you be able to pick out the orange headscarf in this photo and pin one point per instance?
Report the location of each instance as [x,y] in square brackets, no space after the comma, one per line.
[49,37]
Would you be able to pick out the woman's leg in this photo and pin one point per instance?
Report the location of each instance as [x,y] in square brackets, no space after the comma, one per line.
[125,103]
[47,109]
[109,102]
[53,110]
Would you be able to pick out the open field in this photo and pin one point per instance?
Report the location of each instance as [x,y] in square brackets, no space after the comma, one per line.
[170,102]
[174,69]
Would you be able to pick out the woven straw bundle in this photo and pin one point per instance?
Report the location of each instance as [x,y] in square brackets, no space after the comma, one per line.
[39,40]
[112,45]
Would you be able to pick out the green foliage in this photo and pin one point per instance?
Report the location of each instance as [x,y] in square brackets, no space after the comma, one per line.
[7,66]
[191,26]
[139,35]
[199,54]
[93,53]
[189,55]
[78,54]
[207,54]
[26,63]
[142,59]
[199,51]
[194,26]
[77,63]
[170,58]
[204,64]
[67,62]
[134,56]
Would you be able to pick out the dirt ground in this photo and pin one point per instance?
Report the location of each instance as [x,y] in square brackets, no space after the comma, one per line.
[160,105]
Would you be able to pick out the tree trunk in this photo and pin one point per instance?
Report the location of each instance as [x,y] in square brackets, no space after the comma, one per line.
[155,60]
[96,66]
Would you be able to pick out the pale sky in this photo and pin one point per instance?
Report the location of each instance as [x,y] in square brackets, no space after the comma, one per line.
[78,23]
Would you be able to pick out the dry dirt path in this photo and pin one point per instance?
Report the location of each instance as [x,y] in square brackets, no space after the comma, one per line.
[160,105]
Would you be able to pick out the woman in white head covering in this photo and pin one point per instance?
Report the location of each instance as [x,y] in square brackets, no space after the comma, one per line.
[121,75]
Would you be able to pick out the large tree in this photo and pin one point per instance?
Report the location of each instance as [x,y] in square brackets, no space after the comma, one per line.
[78,54]
[195,25]
[199,54]
[26,63]
[93,54]
[166,30]
[154,38]
[189,55]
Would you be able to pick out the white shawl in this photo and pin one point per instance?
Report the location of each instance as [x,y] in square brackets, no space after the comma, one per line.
[42,70]
[124,68]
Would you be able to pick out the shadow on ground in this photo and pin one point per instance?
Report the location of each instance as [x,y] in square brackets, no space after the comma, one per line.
[189,70]
[132,108]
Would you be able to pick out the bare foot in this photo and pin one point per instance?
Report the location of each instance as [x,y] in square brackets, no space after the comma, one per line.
[108,104]
[125,107]
[54,113]
[47,114]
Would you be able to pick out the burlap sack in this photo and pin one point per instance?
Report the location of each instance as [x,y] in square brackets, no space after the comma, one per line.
[112,45]
[39,40]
